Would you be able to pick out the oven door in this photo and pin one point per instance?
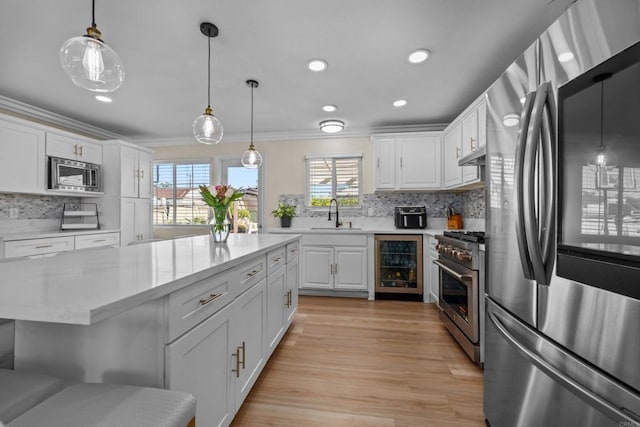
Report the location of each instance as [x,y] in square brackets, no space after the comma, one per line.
[459,296]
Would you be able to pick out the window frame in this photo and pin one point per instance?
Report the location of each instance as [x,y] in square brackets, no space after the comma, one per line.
[333,158]
[175,163]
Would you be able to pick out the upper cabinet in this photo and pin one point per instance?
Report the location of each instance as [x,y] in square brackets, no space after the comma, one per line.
[466,134]
[74,147]
[22,157]
[408,161]
[136,173]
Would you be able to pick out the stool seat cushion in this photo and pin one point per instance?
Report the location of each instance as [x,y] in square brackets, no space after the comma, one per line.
[21,391]
[111,405]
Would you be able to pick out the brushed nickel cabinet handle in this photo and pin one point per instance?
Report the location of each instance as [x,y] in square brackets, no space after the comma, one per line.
[237,356]
[471,141]
[43,246]
[244,354]
[75,149]
[80,150]
[457,152]
[210,299]
[253,273]
[142,173]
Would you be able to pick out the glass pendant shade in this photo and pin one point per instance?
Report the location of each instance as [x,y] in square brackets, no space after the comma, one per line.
[91,64]
[251,159]
[207,129]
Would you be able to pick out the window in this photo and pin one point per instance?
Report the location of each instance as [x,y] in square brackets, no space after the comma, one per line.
[176,198]
[336,177]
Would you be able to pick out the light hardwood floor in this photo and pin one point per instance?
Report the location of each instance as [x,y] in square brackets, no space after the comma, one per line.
[353,362]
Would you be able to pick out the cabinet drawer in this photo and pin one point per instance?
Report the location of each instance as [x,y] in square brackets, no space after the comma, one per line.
[334,239]
[19,248]
[193,304]
[292,251]
[250,273]
[86,241]
[276,259]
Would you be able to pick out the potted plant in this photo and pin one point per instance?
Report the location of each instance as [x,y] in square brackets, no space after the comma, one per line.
[285,212]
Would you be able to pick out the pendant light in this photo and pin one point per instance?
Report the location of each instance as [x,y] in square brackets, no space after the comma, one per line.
[207,128]
[89,62]
[251,159]
[602,160]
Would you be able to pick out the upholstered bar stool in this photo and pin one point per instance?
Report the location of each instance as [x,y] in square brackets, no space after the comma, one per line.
[21,391]
[111,405]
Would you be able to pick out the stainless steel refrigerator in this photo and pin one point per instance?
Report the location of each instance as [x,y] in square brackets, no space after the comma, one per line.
[561,351]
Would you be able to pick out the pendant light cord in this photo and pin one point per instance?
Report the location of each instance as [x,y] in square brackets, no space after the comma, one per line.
[93,13]
[602,115]
[208,72]
[252,86]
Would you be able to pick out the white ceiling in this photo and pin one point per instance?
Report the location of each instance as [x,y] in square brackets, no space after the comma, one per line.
[366,43]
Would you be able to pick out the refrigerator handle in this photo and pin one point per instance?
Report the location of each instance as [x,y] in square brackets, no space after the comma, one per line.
[606,407]
[519,185]
[549,164]
[531,222]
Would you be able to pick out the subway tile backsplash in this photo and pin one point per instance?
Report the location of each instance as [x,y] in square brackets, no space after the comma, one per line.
[470,203]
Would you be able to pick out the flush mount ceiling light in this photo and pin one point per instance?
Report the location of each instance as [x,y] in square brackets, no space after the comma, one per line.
[331,126]
[89,62]
[102,98]
[400,103]
[329,108]
[207,128]
[317,64]
[565,56]
[511,120]
[251,159]
[419,56]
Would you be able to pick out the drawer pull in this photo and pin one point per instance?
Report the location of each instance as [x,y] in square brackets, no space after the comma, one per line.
[43,246]
[277,260]
[99,240]
[211,298]
[253,273]
[244,354]
[288,303]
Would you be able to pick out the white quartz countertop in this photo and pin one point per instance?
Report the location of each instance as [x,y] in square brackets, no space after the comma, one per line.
[47,234]
[357,230]
[85,287]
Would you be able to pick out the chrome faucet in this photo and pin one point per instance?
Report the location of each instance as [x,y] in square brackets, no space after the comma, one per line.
[338,223]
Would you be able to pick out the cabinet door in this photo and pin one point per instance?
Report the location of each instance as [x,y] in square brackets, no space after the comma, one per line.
[470,141]
[128,221]
[143,219]
[482,124]
[200,362]
[385,160]
[452,152]
[74,148]
[317,267]
[293,280]
[351,268]
[277,299]
[248,338]
[129,172]
[145,181]
[434,278]
[420,162]
[90,152]
[22,159]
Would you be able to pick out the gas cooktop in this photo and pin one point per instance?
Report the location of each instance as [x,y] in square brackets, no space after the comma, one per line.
[467,236]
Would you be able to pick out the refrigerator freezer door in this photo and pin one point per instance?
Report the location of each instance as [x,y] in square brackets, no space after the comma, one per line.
[530,381]
[508,280]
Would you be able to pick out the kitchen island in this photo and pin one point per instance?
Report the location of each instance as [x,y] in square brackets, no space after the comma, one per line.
[184,314]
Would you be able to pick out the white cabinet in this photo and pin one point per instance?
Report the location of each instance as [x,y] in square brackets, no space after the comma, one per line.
[277,297]
[86,241]
[135,220]
[433,273]
[74,147]
[334,262]
[466,134]
[127,204]
[50,246]
[292,282]
[408,161]
[22,157]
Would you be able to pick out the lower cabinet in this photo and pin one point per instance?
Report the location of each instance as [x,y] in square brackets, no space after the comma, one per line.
[135,220]
[433,272]
[50,246]
[334,262]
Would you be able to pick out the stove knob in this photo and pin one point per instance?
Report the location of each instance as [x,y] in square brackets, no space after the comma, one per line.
[465,257]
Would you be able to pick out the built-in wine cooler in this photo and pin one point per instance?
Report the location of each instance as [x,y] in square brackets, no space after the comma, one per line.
[398,271]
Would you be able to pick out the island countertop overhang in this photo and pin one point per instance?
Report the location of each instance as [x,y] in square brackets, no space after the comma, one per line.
[86,287]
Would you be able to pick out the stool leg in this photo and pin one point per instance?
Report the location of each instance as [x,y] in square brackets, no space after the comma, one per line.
[192,423]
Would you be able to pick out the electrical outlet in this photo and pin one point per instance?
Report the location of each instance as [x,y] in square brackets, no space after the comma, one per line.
[13,213]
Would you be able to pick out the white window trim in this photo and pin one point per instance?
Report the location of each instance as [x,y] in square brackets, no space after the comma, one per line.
[307,196]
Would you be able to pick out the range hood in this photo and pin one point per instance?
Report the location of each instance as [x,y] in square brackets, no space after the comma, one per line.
[475,158]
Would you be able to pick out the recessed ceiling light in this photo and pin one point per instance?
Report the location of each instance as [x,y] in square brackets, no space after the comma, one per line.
[565,56]
[418,56]
[317,65]
[103,98]
[510,120]
[331,126]
[329,108]
[400,103]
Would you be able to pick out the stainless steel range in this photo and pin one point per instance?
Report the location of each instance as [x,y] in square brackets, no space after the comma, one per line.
[461,276]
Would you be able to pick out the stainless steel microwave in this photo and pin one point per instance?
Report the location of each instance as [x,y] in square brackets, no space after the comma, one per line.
[71,175]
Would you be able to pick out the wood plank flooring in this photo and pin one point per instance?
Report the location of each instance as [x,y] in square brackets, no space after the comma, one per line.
[353,362]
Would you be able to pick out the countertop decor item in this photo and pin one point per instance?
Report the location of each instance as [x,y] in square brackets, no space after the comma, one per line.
[89,62]
[251,159]
[285,212]
[207,129]
[220,202]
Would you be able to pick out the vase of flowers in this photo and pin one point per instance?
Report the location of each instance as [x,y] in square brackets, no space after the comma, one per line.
[220,201]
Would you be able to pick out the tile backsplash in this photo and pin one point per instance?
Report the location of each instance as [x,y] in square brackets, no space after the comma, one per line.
[30,206]
[470,203]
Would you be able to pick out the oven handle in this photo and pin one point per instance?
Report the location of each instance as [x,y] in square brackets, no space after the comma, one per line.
[454,273]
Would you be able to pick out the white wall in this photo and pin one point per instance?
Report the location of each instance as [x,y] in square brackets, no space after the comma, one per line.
[284,166]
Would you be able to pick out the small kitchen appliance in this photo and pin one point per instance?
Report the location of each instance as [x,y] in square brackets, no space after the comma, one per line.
[410,217]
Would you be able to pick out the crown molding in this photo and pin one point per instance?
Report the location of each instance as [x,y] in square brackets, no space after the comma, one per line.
[29,112]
